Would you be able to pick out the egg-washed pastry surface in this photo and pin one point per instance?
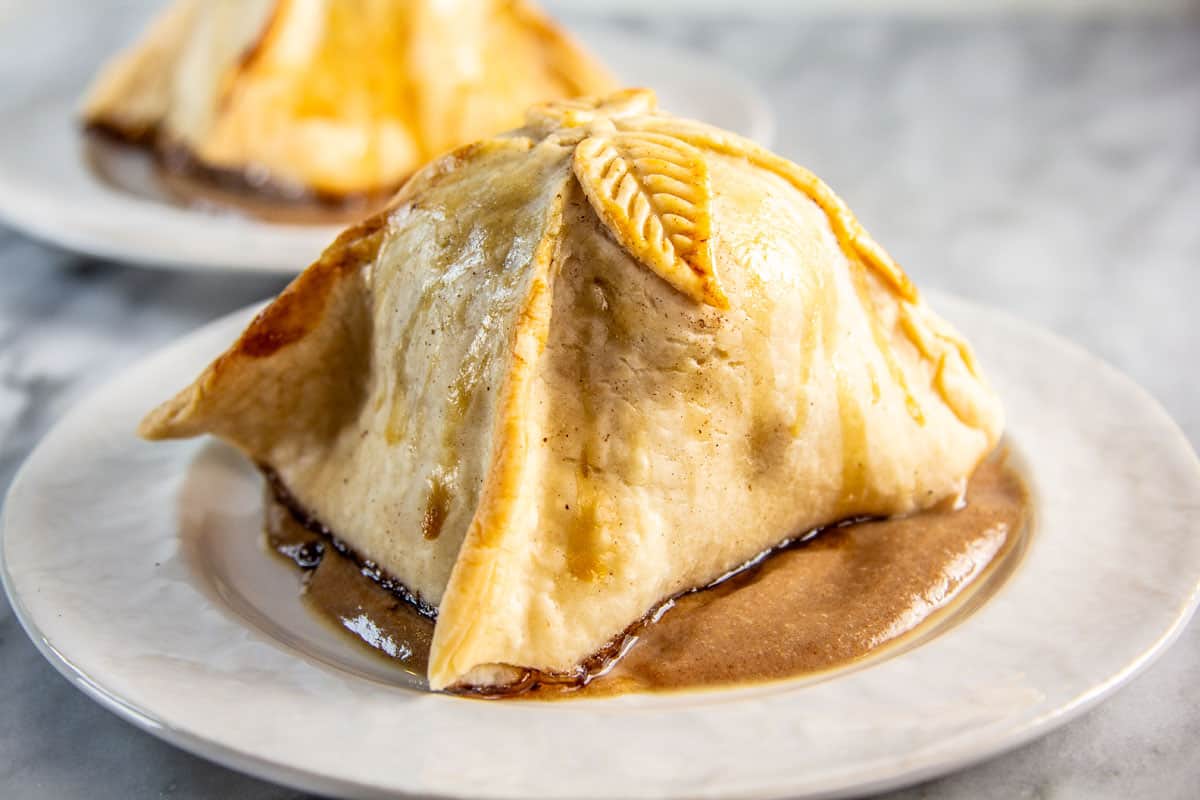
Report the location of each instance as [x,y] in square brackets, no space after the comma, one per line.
[586,366]
[332,98]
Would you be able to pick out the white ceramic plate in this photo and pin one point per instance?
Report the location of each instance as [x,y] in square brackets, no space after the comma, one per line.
[48,191]
[134,568]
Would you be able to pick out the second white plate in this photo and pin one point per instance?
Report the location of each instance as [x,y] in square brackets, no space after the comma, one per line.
[48,191]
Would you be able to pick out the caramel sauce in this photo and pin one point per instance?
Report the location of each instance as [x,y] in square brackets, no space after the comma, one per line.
[136,166]
[436,509]
[828,600]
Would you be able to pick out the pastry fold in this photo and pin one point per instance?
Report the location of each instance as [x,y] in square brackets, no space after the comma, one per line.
[581,368]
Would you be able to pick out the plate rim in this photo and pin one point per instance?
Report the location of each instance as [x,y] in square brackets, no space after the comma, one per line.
[928,765]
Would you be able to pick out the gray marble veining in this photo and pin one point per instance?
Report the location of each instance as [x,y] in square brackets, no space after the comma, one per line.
[1047,167]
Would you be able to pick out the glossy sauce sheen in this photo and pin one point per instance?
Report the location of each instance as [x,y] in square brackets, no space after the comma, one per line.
[822,603]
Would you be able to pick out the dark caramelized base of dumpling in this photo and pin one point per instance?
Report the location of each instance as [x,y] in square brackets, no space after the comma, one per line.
[142,164]
[822,601]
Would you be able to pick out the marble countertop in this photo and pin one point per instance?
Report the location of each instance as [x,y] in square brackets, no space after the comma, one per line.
[1049,167]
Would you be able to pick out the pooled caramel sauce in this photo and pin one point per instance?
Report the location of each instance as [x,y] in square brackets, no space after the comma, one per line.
[174,179]
[833,599]
[340,588]
[828,600]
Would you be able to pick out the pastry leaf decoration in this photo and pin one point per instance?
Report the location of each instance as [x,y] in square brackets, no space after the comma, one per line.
[646,176]
[652,192]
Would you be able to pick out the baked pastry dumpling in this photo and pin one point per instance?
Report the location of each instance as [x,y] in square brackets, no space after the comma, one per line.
[332,98]
[588,365]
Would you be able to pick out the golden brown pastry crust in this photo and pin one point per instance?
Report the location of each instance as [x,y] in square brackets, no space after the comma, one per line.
[598,417]
[331,99]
